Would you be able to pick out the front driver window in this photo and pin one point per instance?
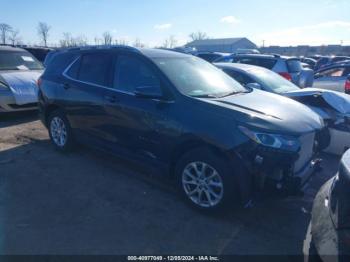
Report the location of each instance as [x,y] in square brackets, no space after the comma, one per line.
[131,73]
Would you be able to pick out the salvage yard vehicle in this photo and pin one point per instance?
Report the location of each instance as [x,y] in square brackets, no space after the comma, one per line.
[210,56]
[333,107]
[288,67]
[335,77]
[19,72]
[184,117]
[328,236]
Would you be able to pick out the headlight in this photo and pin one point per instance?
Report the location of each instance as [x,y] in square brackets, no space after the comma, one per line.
[3,86]
[272,140]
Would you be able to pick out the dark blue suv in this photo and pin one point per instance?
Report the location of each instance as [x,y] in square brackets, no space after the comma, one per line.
[181,115]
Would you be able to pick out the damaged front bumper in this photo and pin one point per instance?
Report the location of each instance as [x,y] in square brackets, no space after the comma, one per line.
[281,170]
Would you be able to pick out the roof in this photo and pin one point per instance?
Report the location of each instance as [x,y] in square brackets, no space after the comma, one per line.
[220,41]
[158,53]
[149,52]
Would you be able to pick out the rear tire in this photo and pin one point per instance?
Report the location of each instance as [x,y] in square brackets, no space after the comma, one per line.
[206,181]
[60,131]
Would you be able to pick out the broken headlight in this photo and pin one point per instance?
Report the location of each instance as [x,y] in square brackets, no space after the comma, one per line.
[282,142]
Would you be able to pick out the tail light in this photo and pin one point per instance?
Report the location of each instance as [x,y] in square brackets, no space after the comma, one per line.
[286,75]
[39,81]
[347,86]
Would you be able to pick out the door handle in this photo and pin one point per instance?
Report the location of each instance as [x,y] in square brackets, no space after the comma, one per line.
[66,86]
[111,99]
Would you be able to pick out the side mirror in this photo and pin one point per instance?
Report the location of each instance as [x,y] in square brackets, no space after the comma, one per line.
[254,86]
[151,92]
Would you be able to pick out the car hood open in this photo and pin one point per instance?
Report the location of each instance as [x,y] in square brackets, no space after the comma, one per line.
[23,85]
[272,112]
[322,98]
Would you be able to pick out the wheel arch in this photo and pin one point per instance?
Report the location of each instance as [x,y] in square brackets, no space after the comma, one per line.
[243,179]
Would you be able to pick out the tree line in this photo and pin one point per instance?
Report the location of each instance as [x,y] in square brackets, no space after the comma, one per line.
[11,36]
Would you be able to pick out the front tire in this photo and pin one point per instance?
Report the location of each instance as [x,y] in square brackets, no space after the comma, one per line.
[60,131]
[205,180]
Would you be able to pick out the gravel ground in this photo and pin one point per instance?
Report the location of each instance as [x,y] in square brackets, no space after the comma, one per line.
[87,202]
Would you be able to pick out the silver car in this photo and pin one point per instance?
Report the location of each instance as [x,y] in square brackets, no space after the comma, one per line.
[335,77]
[19,72]
[289,67]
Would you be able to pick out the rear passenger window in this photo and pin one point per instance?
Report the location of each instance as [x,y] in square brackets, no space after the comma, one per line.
[95,68]
[74,69]
[267,63]
[294,66]
[131,73]
[239,77]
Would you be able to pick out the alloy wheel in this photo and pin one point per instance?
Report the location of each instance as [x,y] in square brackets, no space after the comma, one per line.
[202,184]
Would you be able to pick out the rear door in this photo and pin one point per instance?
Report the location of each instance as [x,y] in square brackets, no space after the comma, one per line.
[83,94]
[332,79]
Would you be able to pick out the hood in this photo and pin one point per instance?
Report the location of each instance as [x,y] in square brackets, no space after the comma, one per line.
[271,112]
[23,85]
[323,98]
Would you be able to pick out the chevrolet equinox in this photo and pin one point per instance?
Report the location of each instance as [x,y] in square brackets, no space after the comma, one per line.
[220,141]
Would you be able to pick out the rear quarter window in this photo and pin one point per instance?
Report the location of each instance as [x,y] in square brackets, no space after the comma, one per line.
[294,66]
[59,63]
[267,63]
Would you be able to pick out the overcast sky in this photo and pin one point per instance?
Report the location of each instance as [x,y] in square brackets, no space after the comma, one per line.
[278,22]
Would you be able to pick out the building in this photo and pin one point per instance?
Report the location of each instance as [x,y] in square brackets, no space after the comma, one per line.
[224,45]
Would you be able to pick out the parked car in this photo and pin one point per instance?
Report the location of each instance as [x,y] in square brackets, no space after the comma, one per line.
[288,67]
[333,107]
[329,60]
[19,72]
[336,78]
[307,60]
[39,53]
[210,56]
[181,115]
[328,236]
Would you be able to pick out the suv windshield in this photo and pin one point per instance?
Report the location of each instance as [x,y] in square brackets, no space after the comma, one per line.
[20,60]
[273,81]
[195,77]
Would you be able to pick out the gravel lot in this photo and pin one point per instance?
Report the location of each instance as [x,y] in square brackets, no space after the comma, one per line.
[91,203]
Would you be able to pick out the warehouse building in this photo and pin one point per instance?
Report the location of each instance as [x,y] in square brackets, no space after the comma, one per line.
[224,45]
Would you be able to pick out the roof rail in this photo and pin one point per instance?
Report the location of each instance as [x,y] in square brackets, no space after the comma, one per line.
[97,47]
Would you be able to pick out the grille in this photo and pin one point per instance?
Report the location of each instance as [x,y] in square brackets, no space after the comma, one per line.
[306,152]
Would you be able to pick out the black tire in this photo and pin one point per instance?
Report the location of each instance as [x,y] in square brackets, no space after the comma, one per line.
[230,194]
[69,141]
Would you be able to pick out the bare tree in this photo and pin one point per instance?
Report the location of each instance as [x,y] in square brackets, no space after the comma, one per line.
[43,32]
[14,37]
[71,41]
[107,38]
[198,36]
[138,43]
[5,29]
[170,42]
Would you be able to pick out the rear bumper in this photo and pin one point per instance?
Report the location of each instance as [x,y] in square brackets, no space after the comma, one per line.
[8,103]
